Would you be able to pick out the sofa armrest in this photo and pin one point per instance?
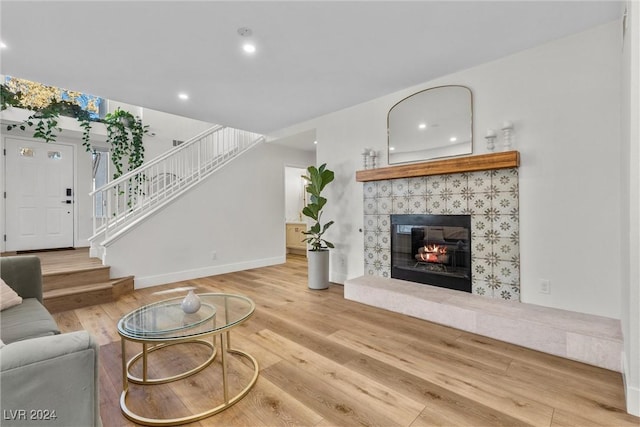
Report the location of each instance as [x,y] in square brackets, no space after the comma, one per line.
[52,376]
[23,274]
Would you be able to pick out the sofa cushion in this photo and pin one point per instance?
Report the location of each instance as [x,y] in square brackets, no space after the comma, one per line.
[8,297]
[27,320]
[52,373]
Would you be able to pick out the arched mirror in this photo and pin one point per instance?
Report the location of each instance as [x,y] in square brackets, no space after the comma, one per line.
[432,123]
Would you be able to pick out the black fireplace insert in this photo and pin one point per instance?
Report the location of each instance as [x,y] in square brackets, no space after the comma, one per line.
[432,249]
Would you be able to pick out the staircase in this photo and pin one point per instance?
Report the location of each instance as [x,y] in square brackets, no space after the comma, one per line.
[122,204]
[71,279]
[82,288]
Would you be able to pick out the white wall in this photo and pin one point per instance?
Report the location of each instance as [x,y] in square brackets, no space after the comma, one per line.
[237,213]
[630,219]
[164,128]
[564,99]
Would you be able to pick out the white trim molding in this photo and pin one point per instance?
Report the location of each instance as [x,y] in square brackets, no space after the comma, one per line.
[632,394]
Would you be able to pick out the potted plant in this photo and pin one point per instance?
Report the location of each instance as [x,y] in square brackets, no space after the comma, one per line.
[318,254]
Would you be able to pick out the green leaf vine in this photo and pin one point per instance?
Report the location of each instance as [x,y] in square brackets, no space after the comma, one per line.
[124,134]
[124,131]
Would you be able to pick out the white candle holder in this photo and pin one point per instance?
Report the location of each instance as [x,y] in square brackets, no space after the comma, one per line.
[373,155]
[507,130]
[365,158]
[491,142]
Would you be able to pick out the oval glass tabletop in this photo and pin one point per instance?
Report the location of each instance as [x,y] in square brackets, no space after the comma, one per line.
[165,320]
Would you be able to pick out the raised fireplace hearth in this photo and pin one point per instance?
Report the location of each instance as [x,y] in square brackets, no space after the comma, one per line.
[432,249]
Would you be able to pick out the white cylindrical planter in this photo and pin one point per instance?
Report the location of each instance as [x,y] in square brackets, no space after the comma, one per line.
[318,269]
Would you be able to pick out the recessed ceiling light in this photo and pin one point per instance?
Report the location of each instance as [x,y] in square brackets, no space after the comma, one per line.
[248,45]
[315,142]
[422,126]
[392,148]
[183,96]
[453,139]
[249,48]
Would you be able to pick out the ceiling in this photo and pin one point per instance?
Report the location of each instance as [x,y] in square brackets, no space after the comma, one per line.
[313,57]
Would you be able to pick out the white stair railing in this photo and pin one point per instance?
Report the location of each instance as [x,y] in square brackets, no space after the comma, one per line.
[134,196]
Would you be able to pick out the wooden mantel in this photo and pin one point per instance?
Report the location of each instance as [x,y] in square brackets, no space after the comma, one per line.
[482,162]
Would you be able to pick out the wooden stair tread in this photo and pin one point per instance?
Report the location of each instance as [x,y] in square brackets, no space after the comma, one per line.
[72,279]
[71,270]
[72,290]
[77,277]
[72,297]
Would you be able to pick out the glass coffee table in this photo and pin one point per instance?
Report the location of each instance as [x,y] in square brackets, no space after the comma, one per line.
[163,324]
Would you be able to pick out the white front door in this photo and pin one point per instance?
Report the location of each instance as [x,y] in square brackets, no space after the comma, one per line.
[39,198]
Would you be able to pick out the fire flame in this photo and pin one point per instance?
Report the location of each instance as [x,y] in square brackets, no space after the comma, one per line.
[431,252]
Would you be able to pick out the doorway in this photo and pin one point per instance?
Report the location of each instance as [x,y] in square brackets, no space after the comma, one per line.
[295,200]
[39,203]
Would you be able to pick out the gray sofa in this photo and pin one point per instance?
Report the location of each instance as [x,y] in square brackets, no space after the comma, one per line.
[46,378]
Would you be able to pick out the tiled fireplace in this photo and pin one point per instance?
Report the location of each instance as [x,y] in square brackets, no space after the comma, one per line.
[490,198]
[483,188]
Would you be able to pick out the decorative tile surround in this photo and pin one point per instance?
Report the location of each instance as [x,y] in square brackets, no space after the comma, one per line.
[490,197]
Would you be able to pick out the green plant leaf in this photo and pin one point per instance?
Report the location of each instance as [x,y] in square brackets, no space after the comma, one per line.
[308,211]
[317,179]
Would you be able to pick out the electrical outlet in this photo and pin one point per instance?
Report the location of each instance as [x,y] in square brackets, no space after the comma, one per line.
[214,255]
[545,286]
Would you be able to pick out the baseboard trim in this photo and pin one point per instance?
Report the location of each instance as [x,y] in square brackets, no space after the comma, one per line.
[162,279]
[82,243]
[339,278]
[632,394]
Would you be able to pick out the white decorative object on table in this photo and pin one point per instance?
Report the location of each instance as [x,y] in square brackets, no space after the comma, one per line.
[365,158]
[191,303]
[507,129]
[491,139]
[373,155]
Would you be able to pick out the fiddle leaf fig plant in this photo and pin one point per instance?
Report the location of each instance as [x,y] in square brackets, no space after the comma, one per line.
[317,179]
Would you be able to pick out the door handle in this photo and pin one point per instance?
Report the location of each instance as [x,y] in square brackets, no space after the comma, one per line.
[66,202]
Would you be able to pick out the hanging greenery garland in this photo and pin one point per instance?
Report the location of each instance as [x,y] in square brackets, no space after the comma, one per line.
[125,132]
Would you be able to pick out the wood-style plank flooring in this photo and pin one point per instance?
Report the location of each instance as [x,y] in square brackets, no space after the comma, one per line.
[326,361]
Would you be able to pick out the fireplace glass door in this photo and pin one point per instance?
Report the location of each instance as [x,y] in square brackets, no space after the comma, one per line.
[432,249]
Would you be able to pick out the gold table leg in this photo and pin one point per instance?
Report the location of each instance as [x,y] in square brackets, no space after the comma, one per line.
[127,377]
[145,351]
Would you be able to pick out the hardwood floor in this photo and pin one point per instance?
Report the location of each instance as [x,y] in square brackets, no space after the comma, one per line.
[326,361]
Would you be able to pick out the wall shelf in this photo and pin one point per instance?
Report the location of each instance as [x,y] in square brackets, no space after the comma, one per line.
[482,162]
